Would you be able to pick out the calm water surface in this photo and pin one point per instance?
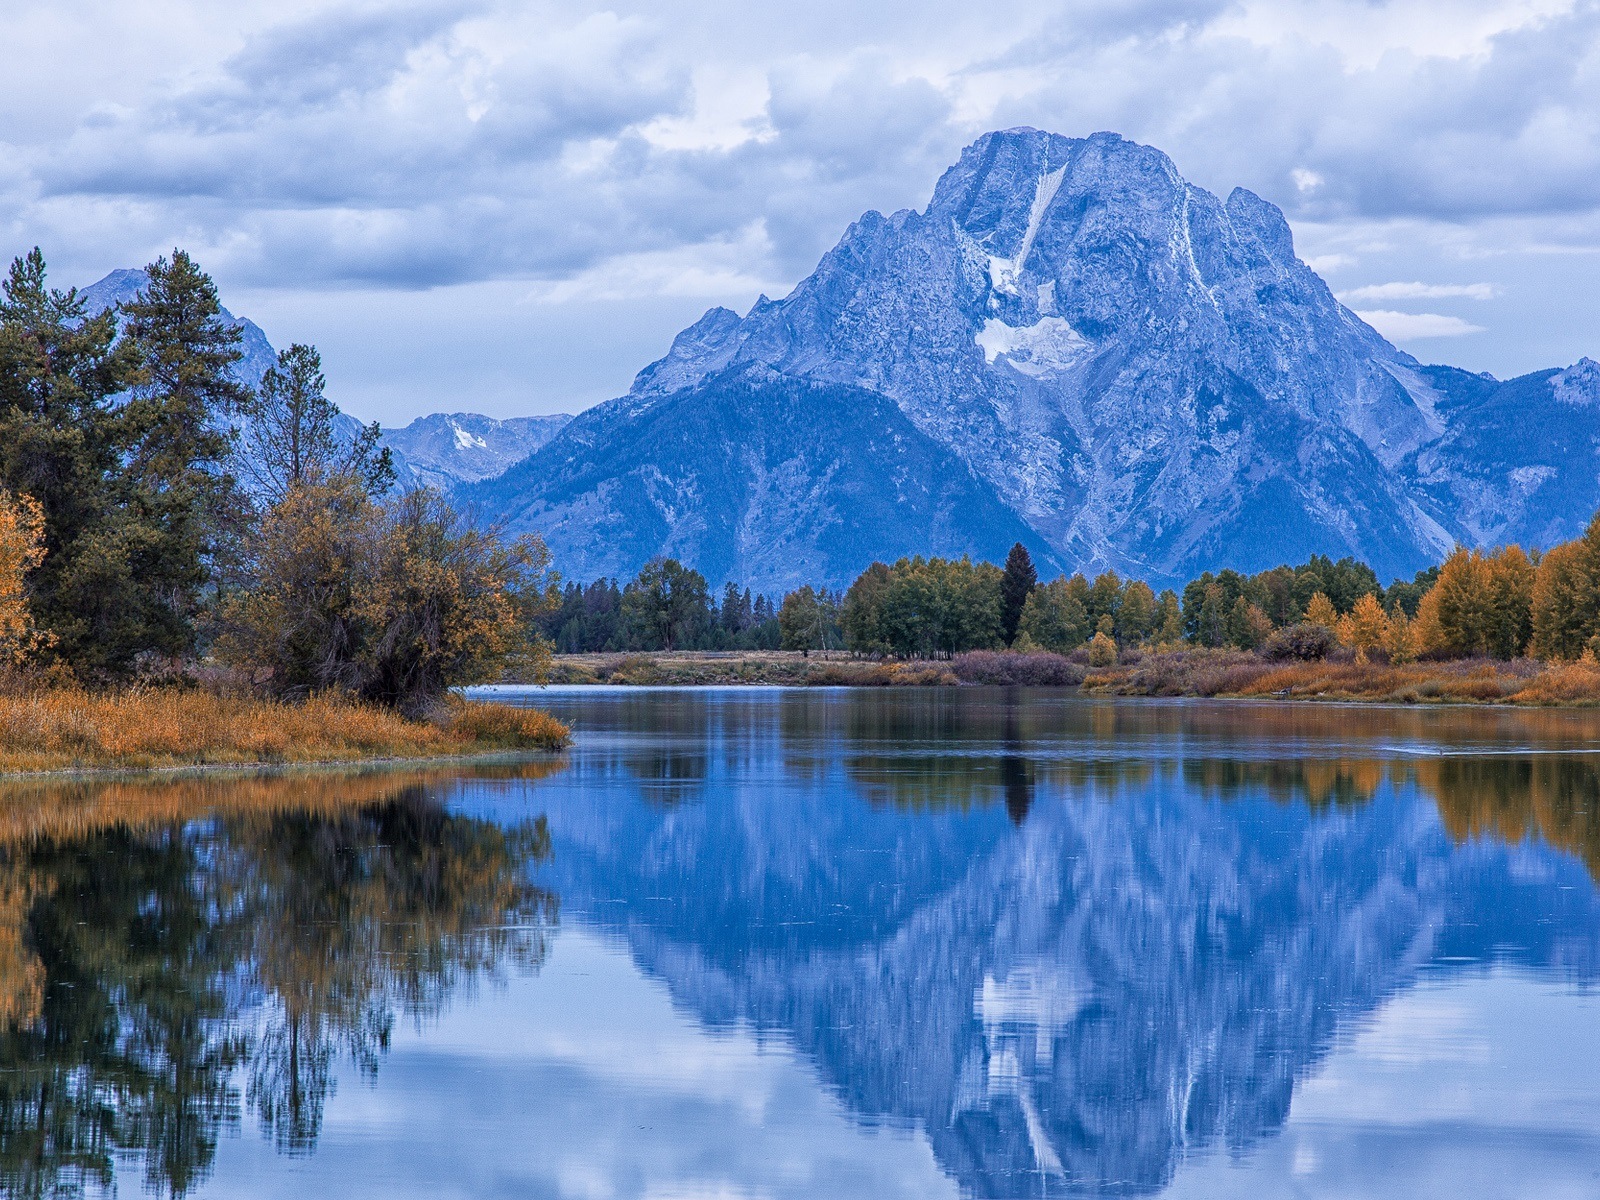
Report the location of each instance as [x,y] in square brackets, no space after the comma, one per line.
[768,943]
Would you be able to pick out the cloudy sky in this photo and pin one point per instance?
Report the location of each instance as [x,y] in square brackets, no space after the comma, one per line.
[510,207]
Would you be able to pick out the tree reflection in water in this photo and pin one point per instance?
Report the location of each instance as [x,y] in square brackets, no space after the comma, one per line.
[159,941]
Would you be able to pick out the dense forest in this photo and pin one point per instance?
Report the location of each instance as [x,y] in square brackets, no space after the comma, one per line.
[1501,604]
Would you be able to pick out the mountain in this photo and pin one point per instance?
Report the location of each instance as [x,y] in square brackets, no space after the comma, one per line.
[1143,375]
[445,449]
[437,450]
[758,476]
[121,286]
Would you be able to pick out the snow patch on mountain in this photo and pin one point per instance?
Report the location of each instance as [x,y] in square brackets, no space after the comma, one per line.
[1047,347]
[1004,271]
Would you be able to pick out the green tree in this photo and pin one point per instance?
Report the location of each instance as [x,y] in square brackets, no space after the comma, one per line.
[809,620]
[1168,624]
[1055,619]
[1016,585]
[1136,613]
[123,443]
[667,605]
[290,435]
[862,613]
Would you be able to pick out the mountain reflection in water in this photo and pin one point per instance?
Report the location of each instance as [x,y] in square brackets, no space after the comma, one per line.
[1074,942]
[1054,946]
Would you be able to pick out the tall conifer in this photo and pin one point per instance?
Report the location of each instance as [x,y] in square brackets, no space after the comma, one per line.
[1016,585]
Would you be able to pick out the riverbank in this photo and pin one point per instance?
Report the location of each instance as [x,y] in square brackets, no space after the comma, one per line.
[1240,674]
[791,668]
[1197,672]
[65,729]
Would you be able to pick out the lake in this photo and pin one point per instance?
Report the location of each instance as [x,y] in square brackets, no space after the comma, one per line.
[826,943]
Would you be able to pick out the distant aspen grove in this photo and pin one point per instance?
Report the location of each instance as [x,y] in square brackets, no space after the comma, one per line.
[1501,604]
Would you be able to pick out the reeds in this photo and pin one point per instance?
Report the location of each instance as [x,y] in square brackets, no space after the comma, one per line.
[66,728]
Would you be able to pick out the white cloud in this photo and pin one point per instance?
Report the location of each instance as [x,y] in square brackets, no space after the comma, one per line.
[626,148]
[1322,264]
[711,269]
[1410,327]
[1378,292]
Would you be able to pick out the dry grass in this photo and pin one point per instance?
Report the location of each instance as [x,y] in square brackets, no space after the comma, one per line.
[1236,673]
[66,728]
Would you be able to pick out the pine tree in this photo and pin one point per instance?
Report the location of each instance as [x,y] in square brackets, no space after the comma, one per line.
[291,437]
[1016,585]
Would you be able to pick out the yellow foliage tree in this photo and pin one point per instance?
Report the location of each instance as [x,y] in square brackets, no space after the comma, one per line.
[1481,604]
[1366,626]
[1566,598]
[21,550]
[1401,639]
[1102,650]
[1427,634]
[1320,611]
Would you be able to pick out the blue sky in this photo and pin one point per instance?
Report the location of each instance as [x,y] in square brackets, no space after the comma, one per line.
[511,207]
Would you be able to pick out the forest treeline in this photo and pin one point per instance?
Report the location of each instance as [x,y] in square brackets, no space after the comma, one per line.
[155,513]
[1504,604]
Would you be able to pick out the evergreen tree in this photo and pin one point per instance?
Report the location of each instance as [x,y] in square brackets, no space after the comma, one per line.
[1016,585]
[291,436]
[63,443]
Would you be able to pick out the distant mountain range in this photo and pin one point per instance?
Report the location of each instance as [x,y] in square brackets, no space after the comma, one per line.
[1071,347]
[439,450]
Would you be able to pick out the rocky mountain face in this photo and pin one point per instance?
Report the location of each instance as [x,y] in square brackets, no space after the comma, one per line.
[439,450]
[1141,373]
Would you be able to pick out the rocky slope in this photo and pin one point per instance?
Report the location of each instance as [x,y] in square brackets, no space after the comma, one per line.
[1142,373]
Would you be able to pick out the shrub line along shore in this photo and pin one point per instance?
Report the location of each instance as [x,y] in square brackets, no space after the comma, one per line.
[1151,673]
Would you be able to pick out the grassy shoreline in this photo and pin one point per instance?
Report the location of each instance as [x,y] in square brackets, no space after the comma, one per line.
[1172,673]
[68,731]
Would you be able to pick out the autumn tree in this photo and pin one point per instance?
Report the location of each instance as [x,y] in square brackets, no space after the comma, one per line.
[21,551]
[1565,608]
[1365,627]
[1481,604]
[1320,611]
[395,602]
